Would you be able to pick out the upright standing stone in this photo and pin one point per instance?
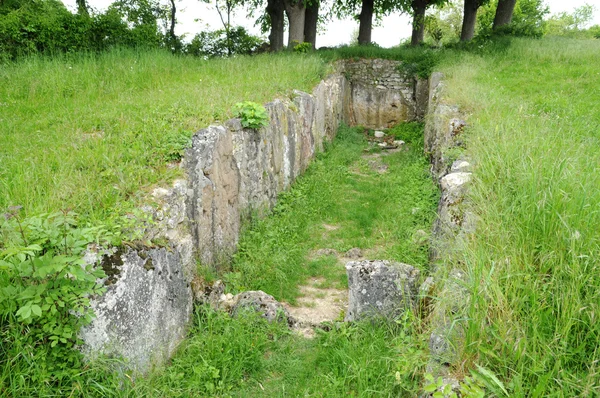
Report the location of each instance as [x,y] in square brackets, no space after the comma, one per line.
[380,288]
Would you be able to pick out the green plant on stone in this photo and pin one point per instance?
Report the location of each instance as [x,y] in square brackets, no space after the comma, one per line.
[470,387]
[252,115]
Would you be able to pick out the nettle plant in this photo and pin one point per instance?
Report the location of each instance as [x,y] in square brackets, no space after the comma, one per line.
[252,115]
[46,286]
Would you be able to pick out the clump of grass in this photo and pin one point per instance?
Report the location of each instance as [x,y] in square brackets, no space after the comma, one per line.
[91,132]
[533,261]
[361,359]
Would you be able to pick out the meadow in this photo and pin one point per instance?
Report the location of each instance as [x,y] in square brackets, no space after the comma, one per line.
[93,133]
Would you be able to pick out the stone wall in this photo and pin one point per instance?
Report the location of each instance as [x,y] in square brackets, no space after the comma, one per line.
[381,96]
[443,136]
[234,171]
[230,172]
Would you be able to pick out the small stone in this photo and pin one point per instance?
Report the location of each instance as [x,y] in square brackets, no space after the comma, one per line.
[355,252]
[326,252]
[263,303]
[461,166]
[379,134]
[399,143]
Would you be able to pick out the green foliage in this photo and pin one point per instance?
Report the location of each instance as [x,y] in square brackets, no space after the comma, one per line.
[470,387]
[47,27]
[409,132]
[252,115]
[217,44]
[528,19]
[420,63]
[46,288]
[571,24]
[360,359]
[219,355]
[302,48]
[443,25]
[108,126]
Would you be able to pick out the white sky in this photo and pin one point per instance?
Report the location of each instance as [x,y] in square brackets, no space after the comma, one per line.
[193,16]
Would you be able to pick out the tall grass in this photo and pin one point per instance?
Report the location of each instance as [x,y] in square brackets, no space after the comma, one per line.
[534,138]
[91,132]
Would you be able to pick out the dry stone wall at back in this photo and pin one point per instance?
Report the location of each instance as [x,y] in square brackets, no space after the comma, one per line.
[381,96]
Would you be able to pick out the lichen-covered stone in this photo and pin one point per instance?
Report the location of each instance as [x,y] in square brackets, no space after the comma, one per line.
[380,288]
[213,201]
[264,304]
[144,313]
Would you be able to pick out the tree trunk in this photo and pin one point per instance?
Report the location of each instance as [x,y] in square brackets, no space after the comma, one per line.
[504,13]
[82,7]
[310,23]
[295,11]
[418,24]
[366,22]
[275,10]
[469,19]
[172,36]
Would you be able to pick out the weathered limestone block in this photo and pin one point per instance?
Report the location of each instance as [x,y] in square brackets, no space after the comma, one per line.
[213,195]
[144,313]
[378,107]
[168,213]
[380,288]
[332,104]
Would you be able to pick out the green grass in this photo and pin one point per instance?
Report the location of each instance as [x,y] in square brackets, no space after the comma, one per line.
[379,213]
[534,137]
[92,133]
